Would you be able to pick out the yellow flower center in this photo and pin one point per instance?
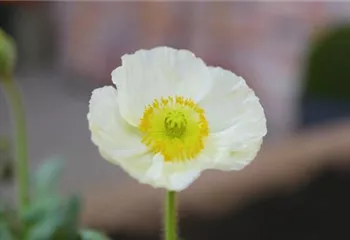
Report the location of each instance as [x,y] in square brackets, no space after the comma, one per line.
[176,127]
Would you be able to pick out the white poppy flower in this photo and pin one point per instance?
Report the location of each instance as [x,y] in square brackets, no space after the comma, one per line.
[171,117]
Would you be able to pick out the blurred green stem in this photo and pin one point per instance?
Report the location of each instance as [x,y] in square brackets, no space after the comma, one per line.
[13,95]
[170,216]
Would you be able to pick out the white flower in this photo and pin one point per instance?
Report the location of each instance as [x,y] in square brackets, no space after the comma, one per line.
[171,117]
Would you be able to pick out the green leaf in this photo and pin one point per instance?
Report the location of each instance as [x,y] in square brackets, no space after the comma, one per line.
[70,218]
[5,232]
[51,216]
[92,235]
[46,179]
[9,224]
[53,219]
[42,218]
[40,209]
[5,225]
[44,230]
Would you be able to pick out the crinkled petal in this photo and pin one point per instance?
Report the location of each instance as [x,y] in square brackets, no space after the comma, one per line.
[245,141]
[115,138]
[240,156]
[230,101]
[236,120]
[160,72]
[153,170]
[221,153]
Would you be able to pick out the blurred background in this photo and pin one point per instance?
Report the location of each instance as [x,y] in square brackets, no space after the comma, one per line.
[296,56]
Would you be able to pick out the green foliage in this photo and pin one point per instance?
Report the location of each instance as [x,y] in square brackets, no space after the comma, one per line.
[5,230]
[92,235]
[49,216]
[328,70]
[46,180]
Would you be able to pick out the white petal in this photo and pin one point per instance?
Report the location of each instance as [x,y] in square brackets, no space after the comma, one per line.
[236,120]
[243,142]
[160,72]
[222,153]
[217,146]
[239,156]
[153,170]
[114,137]
[230,101]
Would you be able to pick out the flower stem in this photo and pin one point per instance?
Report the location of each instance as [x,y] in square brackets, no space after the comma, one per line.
[13,95]
[170,216]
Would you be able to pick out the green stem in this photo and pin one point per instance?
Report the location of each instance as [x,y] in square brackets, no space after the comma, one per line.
[170,216]
[21,164]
